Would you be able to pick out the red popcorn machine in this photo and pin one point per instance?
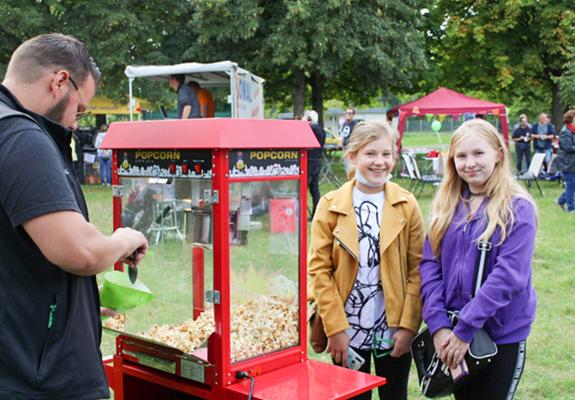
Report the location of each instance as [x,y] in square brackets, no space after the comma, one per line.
[223,204]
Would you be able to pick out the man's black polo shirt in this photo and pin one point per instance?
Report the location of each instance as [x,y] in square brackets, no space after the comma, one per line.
[50,328]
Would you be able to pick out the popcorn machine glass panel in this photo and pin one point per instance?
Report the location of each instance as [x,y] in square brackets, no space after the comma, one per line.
[177,220]
[264,265]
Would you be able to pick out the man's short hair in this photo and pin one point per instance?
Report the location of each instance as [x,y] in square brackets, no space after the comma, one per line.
[569,116]
[180,78]
[52,51]
[194,84]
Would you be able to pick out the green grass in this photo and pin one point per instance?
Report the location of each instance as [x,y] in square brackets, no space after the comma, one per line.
[549,371]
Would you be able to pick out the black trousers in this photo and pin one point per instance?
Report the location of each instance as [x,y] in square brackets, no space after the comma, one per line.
[500,379]
[313,175]
[395,370]
[522,151]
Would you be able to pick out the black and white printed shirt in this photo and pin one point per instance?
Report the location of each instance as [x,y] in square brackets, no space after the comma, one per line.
[365,307]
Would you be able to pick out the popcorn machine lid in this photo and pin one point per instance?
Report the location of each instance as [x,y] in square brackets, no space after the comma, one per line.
[210,133]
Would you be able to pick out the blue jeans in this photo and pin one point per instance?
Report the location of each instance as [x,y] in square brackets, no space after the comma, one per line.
[567,197]
[105,170]
[547,161]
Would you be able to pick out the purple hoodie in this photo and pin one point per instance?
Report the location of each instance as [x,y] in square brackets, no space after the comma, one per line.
[505,303]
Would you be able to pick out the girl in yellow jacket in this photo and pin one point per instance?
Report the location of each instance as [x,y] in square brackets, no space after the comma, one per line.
[366,244]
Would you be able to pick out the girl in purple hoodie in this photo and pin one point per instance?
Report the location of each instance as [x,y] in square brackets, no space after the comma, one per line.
[479,199]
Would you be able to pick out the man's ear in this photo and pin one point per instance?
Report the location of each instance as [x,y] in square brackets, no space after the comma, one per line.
[57,82]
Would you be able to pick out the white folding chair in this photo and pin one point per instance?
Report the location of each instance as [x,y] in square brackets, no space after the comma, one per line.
[165,220]
[422,180]
[532,174]
[410,171]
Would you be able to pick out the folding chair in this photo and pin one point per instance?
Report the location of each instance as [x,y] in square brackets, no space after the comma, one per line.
[410,171]
[165,220]
[422,180]
[532,174]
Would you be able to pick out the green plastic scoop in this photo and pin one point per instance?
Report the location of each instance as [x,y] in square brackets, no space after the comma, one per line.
[119,294]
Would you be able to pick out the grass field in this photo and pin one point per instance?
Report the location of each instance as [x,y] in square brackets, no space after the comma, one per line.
[550,367]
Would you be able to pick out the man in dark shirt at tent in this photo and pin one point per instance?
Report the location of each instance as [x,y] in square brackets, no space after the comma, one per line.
[188,104]
[50,326]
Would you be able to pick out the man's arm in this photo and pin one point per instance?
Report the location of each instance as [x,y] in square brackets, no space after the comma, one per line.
[186,111]
[68,241]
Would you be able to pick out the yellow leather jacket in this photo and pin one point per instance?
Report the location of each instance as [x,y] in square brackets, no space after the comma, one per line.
[334,250]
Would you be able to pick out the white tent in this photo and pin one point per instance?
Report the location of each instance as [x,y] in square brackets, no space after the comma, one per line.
[246,89]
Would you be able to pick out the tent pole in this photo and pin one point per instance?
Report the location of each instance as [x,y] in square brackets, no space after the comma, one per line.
[504,126]
[401,128]
[131,103]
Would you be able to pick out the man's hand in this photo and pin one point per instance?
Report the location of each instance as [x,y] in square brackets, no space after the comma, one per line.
[134,240]
[107,312]
[337,346]
[402,342]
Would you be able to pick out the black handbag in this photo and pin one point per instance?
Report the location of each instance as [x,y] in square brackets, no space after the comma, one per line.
[435,378]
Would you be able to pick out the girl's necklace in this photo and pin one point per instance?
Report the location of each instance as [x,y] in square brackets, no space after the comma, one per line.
[474,203]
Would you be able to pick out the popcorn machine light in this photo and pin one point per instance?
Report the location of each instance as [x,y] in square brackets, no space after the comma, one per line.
[223,204]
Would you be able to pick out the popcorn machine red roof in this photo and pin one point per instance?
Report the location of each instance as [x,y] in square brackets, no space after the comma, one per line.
[223,204]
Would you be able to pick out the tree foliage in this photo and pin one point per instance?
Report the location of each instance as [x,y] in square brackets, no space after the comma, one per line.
[117,32]
[347,48]
[514,51]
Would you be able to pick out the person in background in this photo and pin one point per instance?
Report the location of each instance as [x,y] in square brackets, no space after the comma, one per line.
[206,100]
[314,159]
[366,243]
[188,105]
[480,200]
[77,150]
[347,127]
[50,324]
[104,157]
[566,161]
[522,138]
[543,133]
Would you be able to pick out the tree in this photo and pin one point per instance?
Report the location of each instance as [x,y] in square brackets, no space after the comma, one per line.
[348,49]
[116,32]
[340,47]
[514,51]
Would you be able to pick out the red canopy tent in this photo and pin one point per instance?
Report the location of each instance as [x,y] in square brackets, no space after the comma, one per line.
[450,102]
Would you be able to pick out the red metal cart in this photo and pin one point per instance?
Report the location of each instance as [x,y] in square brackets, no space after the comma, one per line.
[223,202]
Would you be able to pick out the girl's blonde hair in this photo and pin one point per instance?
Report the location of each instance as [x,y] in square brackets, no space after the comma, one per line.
[500,187]
[366,132]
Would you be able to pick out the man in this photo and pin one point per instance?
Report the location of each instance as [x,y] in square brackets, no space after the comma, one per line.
[50,327]
[522,138]
[543,134]
[205,99]
[314,157]
[348,125]
[188,105]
